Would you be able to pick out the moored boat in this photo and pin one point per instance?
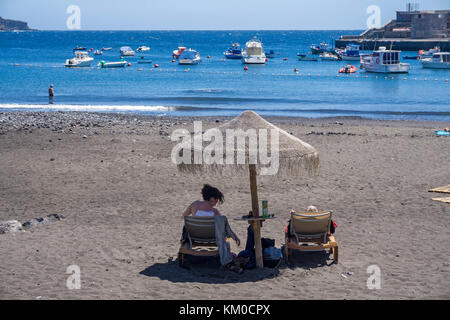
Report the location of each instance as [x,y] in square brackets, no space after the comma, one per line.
[78,48]
[143,48]
[126,51]
[425,54]
[235,52]
[321,48]
[304,57]
[117,64]
[98,52]
[328,56]
[189,57]
[348,69]
[351,53]
[439,60]
[81,59]
[176,53]
[143,60]
[384,61]
[254,52]
[270,54]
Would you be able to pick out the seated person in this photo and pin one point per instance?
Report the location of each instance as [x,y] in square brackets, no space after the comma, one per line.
[333,224]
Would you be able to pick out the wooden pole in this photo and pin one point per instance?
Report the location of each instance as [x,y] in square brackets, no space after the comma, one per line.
[255,209]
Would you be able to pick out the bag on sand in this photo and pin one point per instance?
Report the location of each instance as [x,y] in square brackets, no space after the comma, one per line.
[272,257]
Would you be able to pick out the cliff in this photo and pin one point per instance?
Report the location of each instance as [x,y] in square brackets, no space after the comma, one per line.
[10,25]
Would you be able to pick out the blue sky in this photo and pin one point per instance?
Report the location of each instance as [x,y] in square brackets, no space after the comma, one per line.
[206,14]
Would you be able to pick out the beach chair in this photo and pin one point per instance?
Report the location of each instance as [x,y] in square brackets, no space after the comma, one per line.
[201,238]
[310,231]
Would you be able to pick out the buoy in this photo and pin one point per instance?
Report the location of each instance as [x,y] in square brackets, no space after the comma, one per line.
[156,65]
[245,68]
[140,69]
[121,58]
[129,64]
[173,60]
[278,53]
[208,57]
[284,59]
[267,59]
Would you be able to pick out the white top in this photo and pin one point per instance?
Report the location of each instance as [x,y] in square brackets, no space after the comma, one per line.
[203,213]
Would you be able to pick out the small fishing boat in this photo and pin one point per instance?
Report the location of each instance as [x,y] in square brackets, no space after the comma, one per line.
[143,60]
[143,48]
[235,52]
[328,56]
[254,52]
[189,57]
[176,53]
[126,51]
[348,69]
[78,48]
[98,52]
[106,49]
[304,57]
[384,61]
[440,60]
[270,54]
[350,53]
[321,48]
[118,64]
[81,59]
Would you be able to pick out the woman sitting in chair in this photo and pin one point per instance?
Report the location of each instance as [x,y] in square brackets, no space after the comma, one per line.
[205,208]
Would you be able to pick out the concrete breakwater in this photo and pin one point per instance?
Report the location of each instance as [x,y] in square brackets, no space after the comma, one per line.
[396,44]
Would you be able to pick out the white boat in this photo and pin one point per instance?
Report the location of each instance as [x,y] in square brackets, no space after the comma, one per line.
[98,52]
[328,56]
[143,48]
[254,52]
[428,54]
[118,64]
[106,49]
[81,59]
[189,57]
[126,51]
[384,61]
[439,60]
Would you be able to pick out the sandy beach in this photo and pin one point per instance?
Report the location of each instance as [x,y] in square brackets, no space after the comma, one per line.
[112,178]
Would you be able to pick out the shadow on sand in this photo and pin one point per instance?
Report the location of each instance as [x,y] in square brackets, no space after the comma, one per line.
[209,270]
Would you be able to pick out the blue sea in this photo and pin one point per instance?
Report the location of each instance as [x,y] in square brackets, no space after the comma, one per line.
[31,61]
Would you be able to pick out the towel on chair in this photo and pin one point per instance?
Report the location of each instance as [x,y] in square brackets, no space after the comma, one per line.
[223,231]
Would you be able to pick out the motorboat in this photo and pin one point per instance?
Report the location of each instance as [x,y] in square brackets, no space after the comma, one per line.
[189,57]
[423,54]
[78,48]
[440,60]
[118,64]
[348,69]
[350,53]
[270,54]
[126,51]
[98,52]
[176,53]
[106,49]
[81,59]
[321,48]
[143,48]
[235,52]
[328,56]
[254,52]
[384,61]
[143,60]
[304,57]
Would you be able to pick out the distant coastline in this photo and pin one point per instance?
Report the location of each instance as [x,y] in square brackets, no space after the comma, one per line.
[13,25]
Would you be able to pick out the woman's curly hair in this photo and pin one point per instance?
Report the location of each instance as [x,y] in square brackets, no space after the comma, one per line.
[209,192]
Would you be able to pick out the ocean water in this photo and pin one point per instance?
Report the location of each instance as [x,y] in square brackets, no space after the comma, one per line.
[31,61]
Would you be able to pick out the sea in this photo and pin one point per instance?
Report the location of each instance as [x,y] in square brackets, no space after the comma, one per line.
[31,61]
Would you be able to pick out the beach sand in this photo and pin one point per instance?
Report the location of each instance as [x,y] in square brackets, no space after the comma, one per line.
[112,178]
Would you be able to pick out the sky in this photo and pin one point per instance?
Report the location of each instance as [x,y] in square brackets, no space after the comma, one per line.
[207,14]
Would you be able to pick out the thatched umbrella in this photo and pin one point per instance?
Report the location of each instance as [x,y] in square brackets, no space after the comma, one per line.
[288,155]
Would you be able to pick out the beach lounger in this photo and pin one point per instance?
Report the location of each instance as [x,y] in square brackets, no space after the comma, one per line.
[310,232]
[201,238]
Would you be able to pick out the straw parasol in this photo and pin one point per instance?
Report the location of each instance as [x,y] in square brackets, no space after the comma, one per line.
[287,155]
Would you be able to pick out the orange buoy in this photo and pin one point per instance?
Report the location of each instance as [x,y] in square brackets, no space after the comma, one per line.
[173,60]
[208,57]
[267,59]
[129,64]
[284,59]
[245,68]
[156,65]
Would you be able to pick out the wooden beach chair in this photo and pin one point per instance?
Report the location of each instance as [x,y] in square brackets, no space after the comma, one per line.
[310,231]
[201,238]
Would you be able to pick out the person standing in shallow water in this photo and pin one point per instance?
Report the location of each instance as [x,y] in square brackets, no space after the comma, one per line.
[51,93]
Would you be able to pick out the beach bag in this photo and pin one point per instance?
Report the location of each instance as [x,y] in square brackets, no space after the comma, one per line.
[248,254]
[266,243]
[272,257]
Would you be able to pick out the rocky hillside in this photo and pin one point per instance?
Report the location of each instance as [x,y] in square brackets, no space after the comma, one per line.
[10,25]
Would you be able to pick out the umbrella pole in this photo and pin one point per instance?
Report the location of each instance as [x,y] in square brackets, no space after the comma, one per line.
[255,223]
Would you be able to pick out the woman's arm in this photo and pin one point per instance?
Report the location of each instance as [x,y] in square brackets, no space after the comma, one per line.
[187,211]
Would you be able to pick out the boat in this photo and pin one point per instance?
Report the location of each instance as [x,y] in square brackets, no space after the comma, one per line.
[126,51]
[406,57]
[78,48]
[304,57]
[176,53]
[254,52]
[350,53]
[384,61]
[98,52]
[423,54]
[106,49]
[235,52]
[328,56]
[118,64]
[321,48]
[143,48]
[348,69]
[81,59]
[440,60]
[143,60]
[189,57]
[270,54]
